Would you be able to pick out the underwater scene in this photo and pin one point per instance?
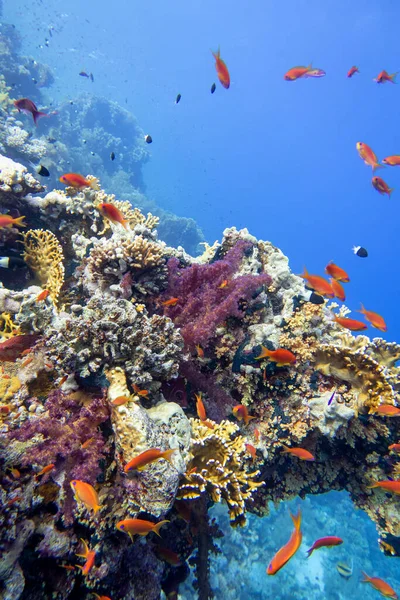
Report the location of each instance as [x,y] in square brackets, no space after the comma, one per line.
[199,296]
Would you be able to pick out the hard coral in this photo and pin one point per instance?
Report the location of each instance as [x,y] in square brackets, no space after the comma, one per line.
[220,467]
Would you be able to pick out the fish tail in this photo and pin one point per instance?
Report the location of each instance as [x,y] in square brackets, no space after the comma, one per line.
[304,275]
[286,449]
[158,526]
[366,579]
[390,190]
[85,550]
[38,115]
[310,551]
[168,453]
[392,77]
[216,54]
[296,520]
[20,221]
[96,508]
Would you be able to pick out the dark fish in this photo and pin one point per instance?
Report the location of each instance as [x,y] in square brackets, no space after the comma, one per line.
[91,77]
[316,298]
[42,171]
[84,74]
[360,251]
[51,140]
[112,155]
[213,87]
[331,398]
[148,139]
[9,262]
[344,570]
[178,99]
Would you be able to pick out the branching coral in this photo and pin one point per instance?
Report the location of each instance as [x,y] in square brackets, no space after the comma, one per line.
[44,255]
[220,467]
[8,328]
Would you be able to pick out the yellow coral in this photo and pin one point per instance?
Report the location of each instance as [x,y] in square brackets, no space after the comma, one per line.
[220,466]
[134,216]
[9,387]
[7,327]
[44,255]
[299,332]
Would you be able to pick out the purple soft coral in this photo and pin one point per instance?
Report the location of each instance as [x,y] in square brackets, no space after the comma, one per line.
[208,294]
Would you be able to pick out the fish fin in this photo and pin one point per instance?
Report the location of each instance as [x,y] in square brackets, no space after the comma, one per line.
[392,77]
[85,549]
[304,275]
[296,520]
[20,221]
[37,115]
[366,577]
[168,453]
[310,551]
[362,309]
[286,449]
[216,54]
[158,526]
[390,191]
[96,508]
[371,487]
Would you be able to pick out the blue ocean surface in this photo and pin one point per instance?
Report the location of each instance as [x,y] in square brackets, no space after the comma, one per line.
[276,157]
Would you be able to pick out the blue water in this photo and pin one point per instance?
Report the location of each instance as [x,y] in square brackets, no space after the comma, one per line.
[276,157]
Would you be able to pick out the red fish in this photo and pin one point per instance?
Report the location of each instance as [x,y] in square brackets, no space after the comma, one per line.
[251,450]
[45,470]
[200,408]
[392,161]
[380,585]
[327,542]
[241,413]
[13,348]
[386,410]
[351,71]
[139,527]
[147,457]
[372,317]
[28,107]
[338,289]
[90,556]
[7,221]
[139,392]
[170,302]
[318,284]
[77,181]
[300,453]
[381,186]
[280,356]
[42,296]
[368,155]
[384,76]
[387,485]
[183,509]
[395,448]
[111,212]
[256,434]
[200,351]
[289,549]
[296,73]
[336,272]
[87,443]
[222,70]
[351,324]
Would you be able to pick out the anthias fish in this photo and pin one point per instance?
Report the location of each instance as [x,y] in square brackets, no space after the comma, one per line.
[318,284]
[89,555]
[280,356]
[289,549]
[171,557]
[384,76]
[374,318]
[325,542]
[222,70]
[85,494]
[77,181]
[336,272]
[338,289]
[241,413]
[112,213]
[42,296]
[45,470]
[300,453]
[315,73]
[6,221]
[296,72]
[395,448]
[380,585]
[392,161]
[381,186]
[387,485]
[139,462]
[368,155]
[351,71]
[29,108]
[200,408]
[386,410]
[350,324]
[139,527]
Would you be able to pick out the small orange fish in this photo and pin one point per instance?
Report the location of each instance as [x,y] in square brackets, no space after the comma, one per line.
[169,556]
[139,392]
[289,549]
[101,597]
[280,356]
[139,527]
[318,284]
[139,462]
[387,485]
[112,213]
[14,500]
[86,494]
[200,408]
[296,72]
[381,186]
[325,542]
[372,317]
[251,450]
[351,71]
[45,470]
[27,361]
[367,155]
[63,380]
[386,410]
[170,302]
[200,351]
[336,272]
[300,453]
[392,161]
[256,434]
[241,413]
[350,324]
[395,448]
[222,70]
[120,400]
[338,289]
[223,284]
[6,221]
[380,585]
[42,296]
[77,181]
[89,555]
[15,473]
[384,76]
[87,443]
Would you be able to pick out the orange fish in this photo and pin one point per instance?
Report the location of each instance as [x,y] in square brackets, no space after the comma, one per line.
[169,556]
[77,181]
[300,453]
[200,351]
[241,413]
[8,221]
[200,408]
[395,448]
[222,70]
[139,527]
[42,296]
[28,107]
[338,289]
[387,485]
[86,494]
[351,71]
[87,443]
[67,567]
[139,392]
[381,186]
[296,73]
[112,213]
[280,356]
[386,410]
[289,549]
[101,597]
[318,284]
[63,380]
[120,400]
[372,317]
[45,470]
[15,473]
[223,284]
[170,302]
[337,273]
[392,161]
[256,434]
[380,585]
[139,462]
[325,542]
[251,450]
[367,155]
[90,556]
[384,76]
[350,324]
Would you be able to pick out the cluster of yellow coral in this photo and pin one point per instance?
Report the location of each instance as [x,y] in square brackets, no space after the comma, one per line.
[7,327]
